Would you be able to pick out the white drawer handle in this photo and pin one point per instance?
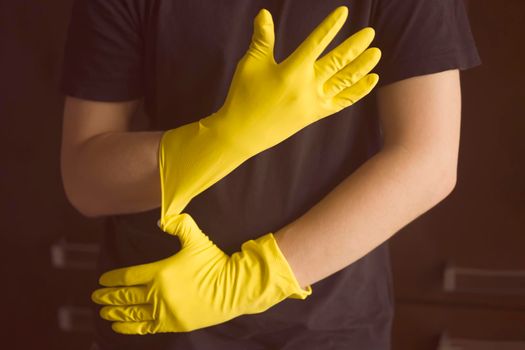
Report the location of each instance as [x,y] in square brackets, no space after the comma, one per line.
[78,256]
[75,318]
[462,279]
[449,343]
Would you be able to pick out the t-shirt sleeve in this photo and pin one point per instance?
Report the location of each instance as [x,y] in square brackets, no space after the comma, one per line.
[419,37]
[103,52]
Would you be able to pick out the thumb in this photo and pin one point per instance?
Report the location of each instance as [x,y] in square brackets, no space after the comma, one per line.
[184,227]
[263,38]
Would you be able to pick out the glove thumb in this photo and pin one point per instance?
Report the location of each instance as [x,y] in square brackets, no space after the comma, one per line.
[263,38]
[184,227]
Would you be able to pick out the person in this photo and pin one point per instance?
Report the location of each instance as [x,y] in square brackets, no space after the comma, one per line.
[334,192]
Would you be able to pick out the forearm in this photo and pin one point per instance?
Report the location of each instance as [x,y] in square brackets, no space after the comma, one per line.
[114,173]
[386,193]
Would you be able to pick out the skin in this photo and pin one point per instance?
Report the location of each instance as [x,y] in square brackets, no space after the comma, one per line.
[108,170]
[414,171]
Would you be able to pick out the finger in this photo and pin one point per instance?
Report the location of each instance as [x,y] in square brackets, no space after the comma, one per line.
[321,36]
[263,38]
[357,91]
[353,72]
[345,53]
[120,296]
[146,327]
[127,276]
[138,313]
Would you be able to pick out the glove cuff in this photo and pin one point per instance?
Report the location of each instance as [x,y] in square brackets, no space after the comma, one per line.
[193,157]
[280,269]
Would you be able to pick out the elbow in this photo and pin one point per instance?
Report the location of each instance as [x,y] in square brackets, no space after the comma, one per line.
[79,200]
[446,183]
[82,206]
[77,192]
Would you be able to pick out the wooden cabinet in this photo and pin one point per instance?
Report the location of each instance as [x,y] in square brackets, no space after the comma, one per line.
[460,268]
[440,326]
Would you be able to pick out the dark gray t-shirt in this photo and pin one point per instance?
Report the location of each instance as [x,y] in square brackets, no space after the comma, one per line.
[180,56]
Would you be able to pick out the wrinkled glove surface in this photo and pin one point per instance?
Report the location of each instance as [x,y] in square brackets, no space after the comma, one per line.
[267,102]
[200,285]
[197,287]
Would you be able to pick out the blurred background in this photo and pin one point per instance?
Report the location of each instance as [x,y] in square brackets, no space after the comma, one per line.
[459,270]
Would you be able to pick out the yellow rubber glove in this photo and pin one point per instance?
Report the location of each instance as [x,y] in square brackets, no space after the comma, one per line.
[267,102]
[197,287]
[200,285]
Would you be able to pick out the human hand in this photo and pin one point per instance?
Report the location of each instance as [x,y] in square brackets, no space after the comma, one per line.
[267,102]
[197,287]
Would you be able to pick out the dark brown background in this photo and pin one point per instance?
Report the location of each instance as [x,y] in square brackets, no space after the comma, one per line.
[480,225]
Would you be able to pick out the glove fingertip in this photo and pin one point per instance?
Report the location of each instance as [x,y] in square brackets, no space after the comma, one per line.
[370,31]
[104,313]
[105,281]
[373,78]
[140,328]
[95,297]
[265,13]
[118,327]
[123,328]
[343,10]
[376,52]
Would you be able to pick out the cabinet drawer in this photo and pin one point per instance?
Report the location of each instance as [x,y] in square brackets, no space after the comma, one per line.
[446,327]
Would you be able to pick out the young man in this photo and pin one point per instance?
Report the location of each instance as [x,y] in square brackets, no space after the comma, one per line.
[333,193]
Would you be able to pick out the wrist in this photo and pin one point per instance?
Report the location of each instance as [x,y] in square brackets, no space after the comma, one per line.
[281,268]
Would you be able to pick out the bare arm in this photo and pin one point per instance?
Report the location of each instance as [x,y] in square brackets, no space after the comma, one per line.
[414,171]
[106,169]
